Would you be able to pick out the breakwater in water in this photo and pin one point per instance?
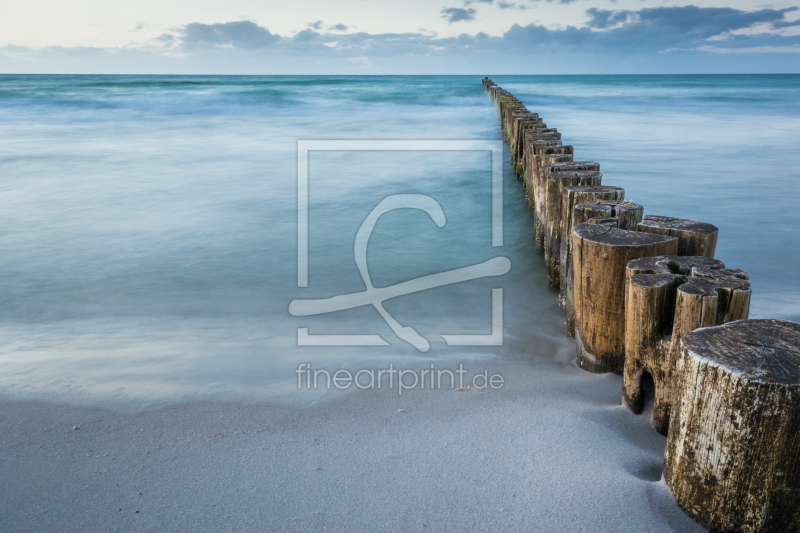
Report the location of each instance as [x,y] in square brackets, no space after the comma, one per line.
[644,295]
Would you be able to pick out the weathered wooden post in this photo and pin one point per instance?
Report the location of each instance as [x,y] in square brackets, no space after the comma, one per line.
[599,258]
[521,123]
[555,182]
[540,187]
[509,108]
[556,177]
[572,196]
[500,94]
[666,298]
[534,133]
[533,137]
[733,450]
[627,213]
[506,101]
[694,238]
[546,159]
[609,222]
[516,119]
[537,144]
[592,211]
[532,123]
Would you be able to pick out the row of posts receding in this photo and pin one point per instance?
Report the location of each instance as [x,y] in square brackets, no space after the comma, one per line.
[643,295]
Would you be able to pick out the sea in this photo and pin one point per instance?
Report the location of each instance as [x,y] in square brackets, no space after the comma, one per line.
[154,230]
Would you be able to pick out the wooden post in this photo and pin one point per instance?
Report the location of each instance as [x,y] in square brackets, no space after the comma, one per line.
[733,450]
[507,110]
[540,187]
[538,132]
[505,102]
[598,208]
[517,119]
[666,298]
[572,196]
[627,213]
[609,222]
[546,159]
[694,238]
[530,133]
[600,256]
[556,176]
[499,95]
[530,124]
[537,143]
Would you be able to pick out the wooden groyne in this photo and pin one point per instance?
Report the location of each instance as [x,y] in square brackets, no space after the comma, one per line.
[667,298]
[643,295]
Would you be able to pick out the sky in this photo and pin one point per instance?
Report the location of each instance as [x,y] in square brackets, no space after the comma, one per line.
[489,37]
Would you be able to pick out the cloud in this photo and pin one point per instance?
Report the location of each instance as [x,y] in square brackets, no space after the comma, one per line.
[623,33]
[618,37]
[457,14]
[510,5]
[242,34]
[752,50]
[360,60]
[315,25]
[688,20]
[783,23]
[601,19]
[502,4]
[707,21]
[307,36]
[649,30]
[560,1]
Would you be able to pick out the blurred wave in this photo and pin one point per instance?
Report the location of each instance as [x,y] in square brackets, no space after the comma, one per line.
[149,222]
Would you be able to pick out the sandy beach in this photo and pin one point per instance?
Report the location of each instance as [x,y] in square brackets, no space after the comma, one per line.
[150,258]
[553,450]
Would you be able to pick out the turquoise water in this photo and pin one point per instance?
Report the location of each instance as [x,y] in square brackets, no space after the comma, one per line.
[150,222]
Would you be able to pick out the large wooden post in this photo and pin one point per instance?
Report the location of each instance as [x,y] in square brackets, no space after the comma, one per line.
[572,196]
[666,298]
[694,238]
[600,256]
[733,450]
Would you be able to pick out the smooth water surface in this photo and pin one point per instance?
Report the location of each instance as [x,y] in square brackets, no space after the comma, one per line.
[149,246]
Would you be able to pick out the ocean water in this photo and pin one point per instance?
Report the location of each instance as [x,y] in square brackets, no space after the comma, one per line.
[149,223]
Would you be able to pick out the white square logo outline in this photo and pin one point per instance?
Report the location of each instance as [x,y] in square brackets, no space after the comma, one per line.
[304,146]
